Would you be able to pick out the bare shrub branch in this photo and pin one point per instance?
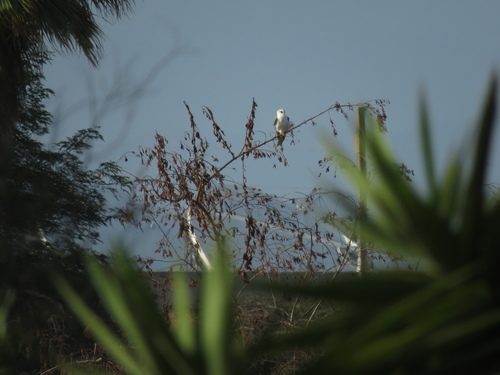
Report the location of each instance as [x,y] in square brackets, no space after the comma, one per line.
[271,233]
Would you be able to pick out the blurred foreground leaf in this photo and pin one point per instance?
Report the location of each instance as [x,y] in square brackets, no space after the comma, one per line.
[151,346]
[443,319]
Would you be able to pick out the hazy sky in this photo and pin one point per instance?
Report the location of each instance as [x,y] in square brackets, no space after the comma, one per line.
[296,55]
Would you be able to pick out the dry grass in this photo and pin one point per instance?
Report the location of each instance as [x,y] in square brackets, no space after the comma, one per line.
[52,336]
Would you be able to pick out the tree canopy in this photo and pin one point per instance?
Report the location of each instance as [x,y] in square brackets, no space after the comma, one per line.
[29,27]
[50,195]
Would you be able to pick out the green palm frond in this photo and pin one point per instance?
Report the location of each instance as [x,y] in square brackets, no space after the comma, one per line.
[68,25]
[444,319]
[193,345]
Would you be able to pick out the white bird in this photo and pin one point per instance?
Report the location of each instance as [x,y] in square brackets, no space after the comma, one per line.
[281,125]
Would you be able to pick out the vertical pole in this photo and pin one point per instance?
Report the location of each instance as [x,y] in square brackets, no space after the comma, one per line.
[360,147]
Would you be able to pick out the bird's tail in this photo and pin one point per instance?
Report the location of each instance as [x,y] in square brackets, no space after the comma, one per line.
[281,138]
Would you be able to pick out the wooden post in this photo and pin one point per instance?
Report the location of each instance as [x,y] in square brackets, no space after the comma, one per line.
[360,147]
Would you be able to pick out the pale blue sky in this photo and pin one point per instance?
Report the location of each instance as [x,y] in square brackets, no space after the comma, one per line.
[297,55]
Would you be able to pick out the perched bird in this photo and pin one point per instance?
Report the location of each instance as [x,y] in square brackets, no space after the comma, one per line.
[281,126]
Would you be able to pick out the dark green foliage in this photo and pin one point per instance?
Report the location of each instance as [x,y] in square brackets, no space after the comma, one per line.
[29,28]
[49,190]
[50,205]
[50,202]
[67,25]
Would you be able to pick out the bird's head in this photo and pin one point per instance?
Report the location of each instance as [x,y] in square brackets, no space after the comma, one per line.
[280,112]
